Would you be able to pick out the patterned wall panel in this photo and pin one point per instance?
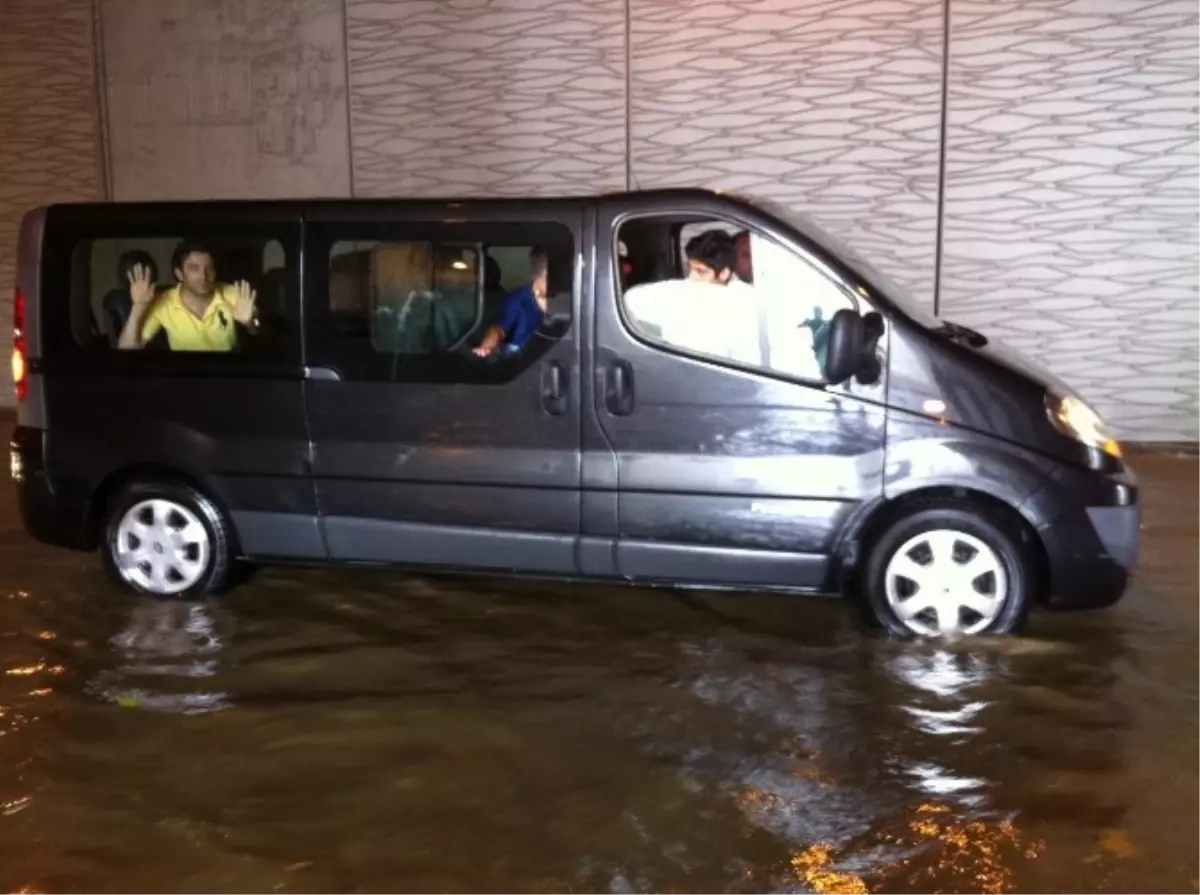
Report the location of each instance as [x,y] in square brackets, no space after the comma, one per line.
[226,98]
[487,96]
[1071,196]
[49,150]
[832,107]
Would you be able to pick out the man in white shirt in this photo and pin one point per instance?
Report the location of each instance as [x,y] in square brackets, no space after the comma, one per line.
[716,312]
[695,314]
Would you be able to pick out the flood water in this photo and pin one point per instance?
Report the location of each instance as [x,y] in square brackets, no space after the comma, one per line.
[376,731]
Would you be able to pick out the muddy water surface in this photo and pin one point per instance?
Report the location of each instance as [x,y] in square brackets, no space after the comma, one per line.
[363,731]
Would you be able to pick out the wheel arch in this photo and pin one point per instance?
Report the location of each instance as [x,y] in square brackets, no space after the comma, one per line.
[856,540]
[123,476]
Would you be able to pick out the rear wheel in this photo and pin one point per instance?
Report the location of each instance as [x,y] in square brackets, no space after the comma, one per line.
[166,539]
[947,571]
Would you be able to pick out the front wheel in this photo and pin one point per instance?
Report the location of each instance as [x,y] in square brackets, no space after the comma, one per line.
[166,539]
[946,571]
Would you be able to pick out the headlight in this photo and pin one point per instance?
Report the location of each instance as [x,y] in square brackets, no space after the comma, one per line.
[1072,416]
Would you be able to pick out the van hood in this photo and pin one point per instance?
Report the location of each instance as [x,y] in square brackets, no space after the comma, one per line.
[1002,354]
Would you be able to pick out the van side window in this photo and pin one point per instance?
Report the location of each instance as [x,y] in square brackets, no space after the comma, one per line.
[390,308]
[182,293]
[710,289]
[410,297]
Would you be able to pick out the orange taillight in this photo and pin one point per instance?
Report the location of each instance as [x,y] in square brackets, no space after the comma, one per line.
[20,367]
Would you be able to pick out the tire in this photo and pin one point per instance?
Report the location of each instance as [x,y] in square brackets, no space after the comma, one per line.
[995,601]
[183,548]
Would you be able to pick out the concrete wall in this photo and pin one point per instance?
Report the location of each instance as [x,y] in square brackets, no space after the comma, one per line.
[1038,181]
[49,132]
[225,98]
[1071,196]
[487,97]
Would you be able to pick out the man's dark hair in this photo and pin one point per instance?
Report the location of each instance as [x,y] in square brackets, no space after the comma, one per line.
[714,249]
[131,258]
[539,262]
[187,247]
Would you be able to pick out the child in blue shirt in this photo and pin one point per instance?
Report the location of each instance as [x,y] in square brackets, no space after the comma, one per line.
[523,311]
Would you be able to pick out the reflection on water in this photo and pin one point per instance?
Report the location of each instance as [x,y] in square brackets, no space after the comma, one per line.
[348,731]
[162,650]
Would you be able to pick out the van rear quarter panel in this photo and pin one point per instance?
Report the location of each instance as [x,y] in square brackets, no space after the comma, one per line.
[241,440]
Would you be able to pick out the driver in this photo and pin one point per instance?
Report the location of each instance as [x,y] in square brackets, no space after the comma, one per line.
[523,311]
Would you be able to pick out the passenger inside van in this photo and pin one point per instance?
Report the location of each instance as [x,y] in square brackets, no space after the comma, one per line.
[197,314]
[711,257]
[494,293]
[695,316]
[116,302]
[734,295]
[523,311]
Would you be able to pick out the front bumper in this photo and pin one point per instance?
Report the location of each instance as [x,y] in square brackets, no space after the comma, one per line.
[1091,530]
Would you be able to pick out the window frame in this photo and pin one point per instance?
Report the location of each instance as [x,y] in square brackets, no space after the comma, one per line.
[858,299]
[60,348]
[456,366]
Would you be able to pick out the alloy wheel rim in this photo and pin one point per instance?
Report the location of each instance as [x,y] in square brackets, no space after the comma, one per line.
[945,583]
[161,547]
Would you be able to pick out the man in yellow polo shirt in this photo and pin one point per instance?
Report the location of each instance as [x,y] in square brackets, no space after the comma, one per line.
[198,313]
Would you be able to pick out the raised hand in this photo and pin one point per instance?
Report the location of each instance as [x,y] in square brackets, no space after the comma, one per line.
[243,308]
[141,287]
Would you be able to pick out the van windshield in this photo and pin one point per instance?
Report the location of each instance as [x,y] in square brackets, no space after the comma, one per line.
[899,294]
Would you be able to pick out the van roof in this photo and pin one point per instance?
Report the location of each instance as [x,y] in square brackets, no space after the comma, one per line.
[665,194]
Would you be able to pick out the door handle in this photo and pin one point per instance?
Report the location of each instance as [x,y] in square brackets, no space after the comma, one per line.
[322,374]
[618,388]
[556,396]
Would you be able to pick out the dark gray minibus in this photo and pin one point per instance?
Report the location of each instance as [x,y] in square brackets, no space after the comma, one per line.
[203,384]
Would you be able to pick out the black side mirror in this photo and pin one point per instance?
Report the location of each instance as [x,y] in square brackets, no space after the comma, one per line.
[844,347]
[870,369]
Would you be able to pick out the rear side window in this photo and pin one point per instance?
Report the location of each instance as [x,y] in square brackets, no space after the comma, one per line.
[414,297]
[185,292]
[415,302]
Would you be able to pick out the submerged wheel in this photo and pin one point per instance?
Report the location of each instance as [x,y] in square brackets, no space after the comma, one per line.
[946,571]
[167,540]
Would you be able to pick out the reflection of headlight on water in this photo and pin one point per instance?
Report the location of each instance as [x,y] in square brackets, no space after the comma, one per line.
[942,673]
[172,642]
[936,780]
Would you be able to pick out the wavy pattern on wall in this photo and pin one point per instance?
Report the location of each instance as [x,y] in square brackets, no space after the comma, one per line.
[226,98]
[49,151]
[1071,196]
[831,107]
[487,96]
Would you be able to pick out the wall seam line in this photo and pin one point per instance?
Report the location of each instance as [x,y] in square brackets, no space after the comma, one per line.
[103,126]
[628,95]
[939,248]
[349,96]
